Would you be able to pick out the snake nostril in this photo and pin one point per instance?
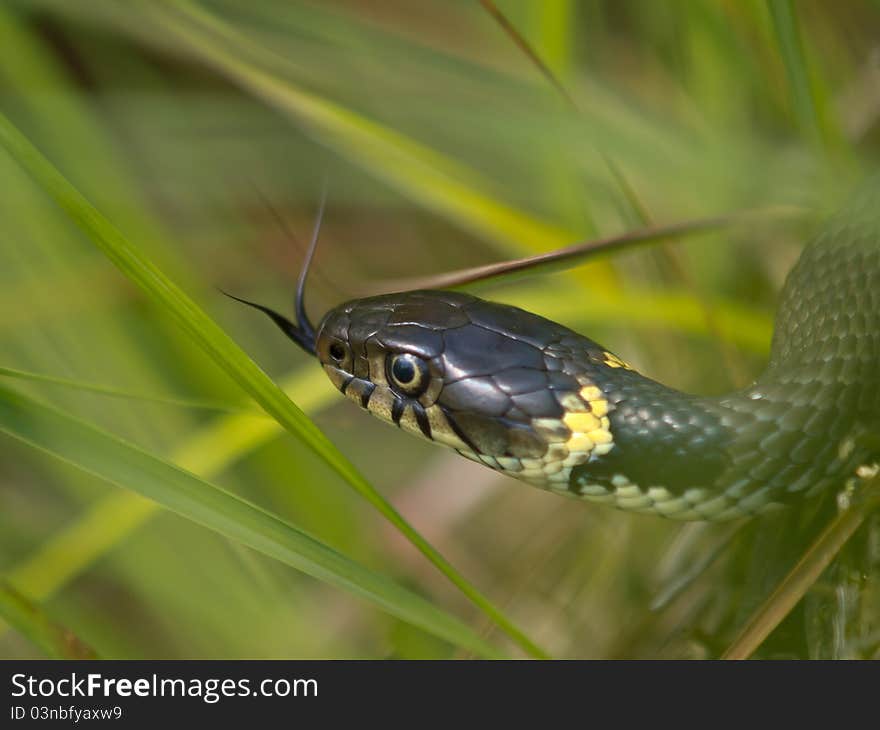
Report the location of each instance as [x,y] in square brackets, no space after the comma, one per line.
[337,352]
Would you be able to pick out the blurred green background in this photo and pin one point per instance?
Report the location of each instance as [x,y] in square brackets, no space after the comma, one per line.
[444,147]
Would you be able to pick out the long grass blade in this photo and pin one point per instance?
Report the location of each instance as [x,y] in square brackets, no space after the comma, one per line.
[120,393]
[804,101]
[565,258]
[803,575]
[521,43]
[56,641]
[626,189]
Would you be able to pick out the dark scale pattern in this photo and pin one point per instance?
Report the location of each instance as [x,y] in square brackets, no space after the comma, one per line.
[662,437]
[800,428]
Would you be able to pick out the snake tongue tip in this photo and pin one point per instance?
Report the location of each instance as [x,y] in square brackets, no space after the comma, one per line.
[302,336]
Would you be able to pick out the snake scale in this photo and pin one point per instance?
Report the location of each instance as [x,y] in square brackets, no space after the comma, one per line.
[535,400]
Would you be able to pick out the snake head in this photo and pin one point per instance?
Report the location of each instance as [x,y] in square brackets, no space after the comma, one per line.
[500,385]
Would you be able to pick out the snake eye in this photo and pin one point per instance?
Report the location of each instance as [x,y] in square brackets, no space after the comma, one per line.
[409,373]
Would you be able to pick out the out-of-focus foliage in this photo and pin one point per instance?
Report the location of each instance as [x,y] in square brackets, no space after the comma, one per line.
[444,148]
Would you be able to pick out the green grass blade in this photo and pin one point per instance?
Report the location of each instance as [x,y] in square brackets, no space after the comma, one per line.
[125,465]
[111,392]
[55,641]
[111,519]
[803,576]
[559,260]
[554,21]
[226,353]
[806,107]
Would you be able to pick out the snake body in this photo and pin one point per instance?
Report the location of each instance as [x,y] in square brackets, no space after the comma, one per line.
[531,398]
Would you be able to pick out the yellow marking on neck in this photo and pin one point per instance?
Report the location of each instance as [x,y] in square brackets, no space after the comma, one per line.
[595,399]
[581,422]
[580,442]
[600,436]
[590,432]
[599,408]
[612,361]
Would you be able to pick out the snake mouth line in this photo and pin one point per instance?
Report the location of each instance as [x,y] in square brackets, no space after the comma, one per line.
[405,413]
